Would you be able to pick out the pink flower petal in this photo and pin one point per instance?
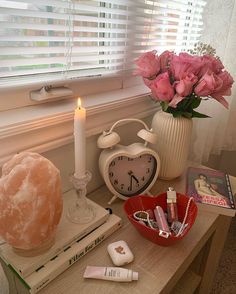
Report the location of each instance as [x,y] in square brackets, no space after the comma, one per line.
[221,99]
[176,99]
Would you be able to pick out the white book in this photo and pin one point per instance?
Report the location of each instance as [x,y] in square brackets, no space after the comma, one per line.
[49,271]
[67,233]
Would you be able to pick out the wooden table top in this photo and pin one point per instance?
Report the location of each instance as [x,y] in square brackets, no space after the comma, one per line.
[159,267]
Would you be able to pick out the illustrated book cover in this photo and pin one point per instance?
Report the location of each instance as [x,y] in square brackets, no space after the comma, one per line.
[211,187]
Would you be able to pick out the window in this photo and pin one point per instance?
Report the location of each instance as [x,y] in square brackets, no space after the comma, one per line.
[51,40]
[88,46]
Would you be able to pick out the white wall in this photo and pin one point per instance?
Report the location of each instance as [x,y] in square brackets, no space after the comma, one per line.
[226,162]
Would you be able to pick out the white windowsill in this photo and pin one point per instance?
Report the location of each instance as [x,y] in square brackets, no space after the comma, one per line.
[47,126]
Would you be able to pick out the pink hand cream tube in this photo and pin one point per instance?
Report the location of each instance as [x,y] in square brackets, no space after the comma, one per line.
[117,274]
[164,229]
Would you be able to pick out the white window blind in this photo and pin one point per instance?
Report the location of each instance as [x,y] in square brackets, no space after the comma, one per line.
[59,39]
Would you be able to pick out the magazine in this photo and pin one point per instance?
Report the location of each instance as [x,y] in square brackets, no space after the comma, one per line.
[211,187]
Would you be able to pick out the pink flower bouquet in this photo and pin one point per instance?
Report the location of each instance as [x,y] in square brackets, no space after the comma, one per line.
[180,82]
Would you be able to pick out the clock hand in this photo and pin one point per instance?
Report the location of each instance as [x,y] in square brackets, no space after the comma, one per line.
[130,173]
[130,186]
[137,181]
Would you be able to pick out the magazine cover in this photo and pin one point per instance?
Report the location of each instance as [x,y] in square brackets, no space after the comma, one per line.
[210,187]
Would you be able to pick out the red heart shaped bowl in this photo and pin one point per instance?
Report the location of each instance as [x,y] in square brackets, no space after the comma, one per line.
[142,202]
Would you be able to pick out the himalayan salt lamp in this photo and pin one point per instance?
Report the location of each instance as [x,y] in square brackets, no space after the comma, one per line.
[30,202]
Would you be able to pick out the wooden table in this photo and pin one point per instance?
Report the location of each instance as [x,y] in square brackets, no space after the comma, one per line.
[189,265]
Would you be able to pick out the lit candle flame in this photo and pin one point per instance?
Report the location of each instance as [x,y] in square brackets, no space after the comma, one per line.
[79,103]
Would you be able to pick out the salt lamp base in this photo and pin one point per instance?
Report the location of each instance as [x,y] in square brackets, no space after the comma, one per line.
[81,212]
[35,251]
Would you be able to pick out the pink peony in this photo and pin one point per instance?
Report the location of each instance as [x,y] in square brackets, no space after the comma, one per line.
[208,84]
[161,87]
[225,90]
[173,78]
[148,82]
[227,83]
[185,64]
[148,63]
[185,86]
[165,60]
[210,63]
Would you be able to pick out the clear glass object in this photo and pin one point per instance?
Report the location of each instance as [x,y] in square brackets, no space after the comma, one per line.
[81,211]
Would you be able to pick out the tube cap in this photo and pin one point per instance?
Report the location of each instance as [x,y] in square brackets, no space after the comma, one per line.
[171,195]
[135,276]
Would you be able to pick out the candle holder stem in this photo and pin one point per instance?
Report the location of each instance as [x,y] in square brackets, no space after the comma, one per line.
[81,212]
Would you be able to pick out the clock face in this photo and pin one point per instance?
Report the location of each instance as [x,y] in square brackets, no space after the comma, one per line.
[132,176]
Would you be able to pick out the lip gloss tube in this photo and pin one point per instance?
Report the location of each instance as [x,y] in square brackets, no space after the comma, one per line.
[172,211]
[164,229]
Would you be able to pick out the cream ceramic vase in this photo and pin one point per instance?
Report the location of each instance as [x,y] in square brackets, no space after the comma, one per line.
[174,136]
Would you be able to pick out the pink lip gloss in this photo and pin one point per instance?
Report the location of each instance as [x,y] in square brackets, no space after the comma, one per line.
[164,229]
[172,212]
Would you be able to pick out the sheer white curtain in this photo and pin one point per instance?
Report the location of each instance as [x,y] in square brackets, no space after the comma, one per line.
[212,135]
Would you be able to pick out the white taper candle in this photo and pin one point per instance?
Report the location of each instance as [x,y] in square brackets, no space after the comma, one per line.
[80,140]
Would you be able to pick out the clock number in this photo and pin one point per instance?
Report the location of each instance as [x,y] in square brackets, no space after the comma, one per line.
[150,159]
[116,182]
[148,171]
[113,163]
[122,186]
[120,158]
[111,174]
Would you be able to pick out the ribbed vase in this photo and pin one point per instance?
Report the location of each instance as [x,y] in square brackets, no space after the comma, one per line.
[174,135]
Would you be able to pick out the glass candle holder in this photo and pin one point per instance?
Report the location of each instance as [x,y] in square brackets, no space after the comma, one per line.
[81,211]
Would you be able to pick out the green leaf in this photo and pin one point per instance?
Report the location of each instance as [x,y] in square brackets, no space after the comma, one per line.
[164,105]
[177,113]
[182,104]
[187,114]
[198,114]
[195,102]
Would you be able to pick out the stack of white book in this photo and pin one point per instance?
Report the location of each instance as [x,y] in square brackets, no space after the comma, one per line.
[72,242]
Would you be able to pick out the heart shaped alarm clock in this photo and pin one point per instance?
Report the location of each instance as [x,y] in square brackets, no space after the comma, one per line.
[128,170]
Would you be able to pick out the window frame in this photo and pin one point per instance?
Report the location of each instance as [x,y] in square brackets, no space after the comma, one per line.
[50,126]
[19,95]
